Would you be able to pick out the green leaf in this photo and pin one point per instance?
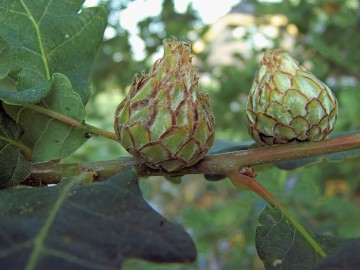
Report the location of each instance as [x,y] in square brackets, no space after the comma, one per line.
[26,96]
[45,37]
[49,138]
[86,226]
[5,62]
[281,246]
[31,95]
[14,168]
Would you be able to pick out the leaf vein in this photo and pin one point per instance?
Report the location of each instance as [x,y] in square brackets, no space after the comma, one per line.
[44,131]
[19,114]
[36,26]
[15,248]
[40,238]
[46,8]
[13,11]
[69,257]
[32,51]
[72,37]
[290,244]
[32,70]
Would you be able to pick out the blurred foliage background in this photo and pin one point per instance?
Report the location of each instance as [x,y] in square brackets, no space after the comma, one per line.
[324,36]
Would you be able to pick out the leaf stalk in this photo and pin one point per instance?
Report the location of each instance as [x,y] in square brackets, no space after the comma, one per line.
[26,150]
[243,181]
[73,122]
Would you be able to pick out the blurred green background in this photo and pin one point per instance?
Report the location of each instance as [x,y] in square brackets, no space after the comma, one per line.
[324,36]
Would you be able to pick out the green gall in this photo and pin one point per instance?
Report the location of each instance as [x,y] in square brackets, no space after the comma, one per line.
[164,121]
[287,103]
